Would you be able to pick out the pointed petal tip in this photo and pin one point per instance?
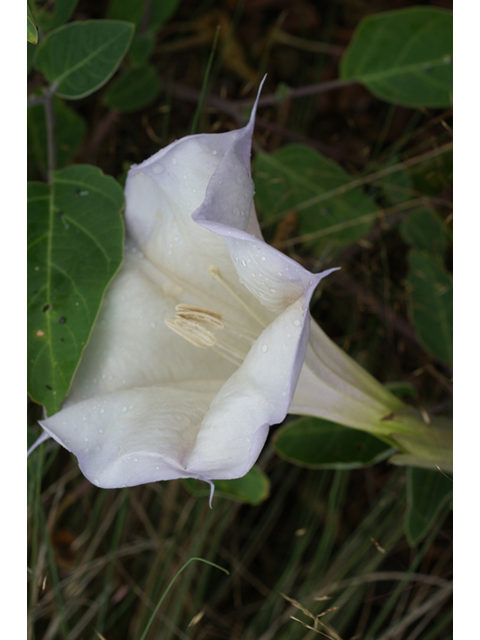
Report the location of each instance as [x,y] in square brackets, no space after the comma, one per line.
[42,438]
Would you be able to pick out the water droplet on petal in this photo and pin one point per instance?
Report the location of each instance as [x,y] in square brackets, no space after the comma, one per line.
[263,258]
[158,169]
[214,153]
[100,430]
[297,323]
[124,409]
[244,264]
[174,161]
[265,348]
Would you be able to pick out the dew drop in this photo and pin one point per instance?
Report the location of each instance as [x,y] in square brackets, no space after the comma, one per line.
[102,411]
[174,161]
[244,264]
[158,169]
[124,409]
[135,459]
[86,439]
[272,290]
[100,431]
[297,323]
[263,258]
[265,348]
[214,153]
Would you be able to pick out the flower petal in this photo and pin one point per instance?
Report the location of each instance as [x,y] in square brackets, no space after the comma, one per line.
[256,396]
[335,387]
[132,437]
[130,345]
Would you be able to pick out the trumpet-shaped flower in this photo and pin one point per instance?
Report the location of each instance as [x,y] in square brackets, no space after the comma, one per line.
[202,335]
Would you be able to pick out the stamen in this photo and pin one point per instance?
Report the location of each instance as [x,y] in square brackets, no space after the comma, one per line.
[233,352]
[222,353]
[192,331]
[215,273]
[199,314]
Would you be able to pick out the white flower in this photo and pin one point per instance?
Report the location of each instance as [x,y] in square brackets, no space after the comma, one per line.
[202,335]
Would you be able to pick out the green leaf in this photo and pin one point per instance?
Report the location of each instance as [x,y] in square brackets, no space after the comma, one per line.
[141,48]
[159,11]
[427,492]
[319,444]
[53,14]
[133,89]
[424,230]
[75,240]
[297,178]
[404,56]
[429,289]
[81,57]
[162,11]
[70,130]
[32,33]
[253,488]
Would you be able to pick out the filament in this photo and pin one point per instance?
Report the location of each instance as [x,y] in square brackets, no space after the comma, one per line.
[215,273]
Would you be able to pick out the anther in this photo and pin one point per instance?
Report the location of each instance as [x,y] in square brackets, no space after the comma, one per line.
[199,314]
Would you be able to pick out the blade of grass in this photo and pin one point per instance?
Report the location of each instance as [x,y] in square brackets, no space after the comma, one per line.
[159,604]
[203,91]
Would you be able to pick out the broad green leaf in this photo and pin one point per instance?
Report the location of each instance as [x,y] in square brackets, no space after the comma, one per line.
[159,11]
[424,230]
[70,130]
[318,444]
[75,240]
[32,33]
[81,57]
[427,492]
[133,89]
[404,56]
[141,48]
[54,13]
[431,304]
[297,178]
[253,488]
[162,11]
